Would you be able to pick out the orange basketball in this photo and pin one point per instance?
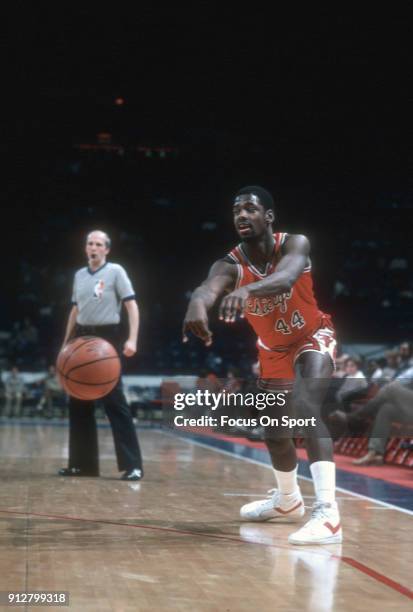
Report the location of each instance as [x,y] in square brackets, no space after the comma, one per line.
[88,367]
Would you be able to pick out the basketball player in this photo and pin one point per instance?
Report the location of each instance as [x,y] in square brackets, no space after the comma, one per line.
[98,293]
[267,279]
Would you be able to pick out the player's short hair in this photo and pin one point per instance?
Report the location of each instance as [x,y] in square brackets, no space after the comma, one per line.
[262,194]
[107,239]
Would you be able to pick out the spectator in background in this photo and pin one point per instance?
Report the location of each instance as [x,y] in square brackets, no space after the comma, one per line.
[405,359]
[52,390]
[14,390]
[389,370]
[394,402]
[340,371]
[354,382]
[375,370]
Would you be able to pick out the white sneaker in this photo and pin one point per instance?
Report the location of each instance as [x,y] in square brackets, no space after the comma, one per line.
[323,527]
[275,506]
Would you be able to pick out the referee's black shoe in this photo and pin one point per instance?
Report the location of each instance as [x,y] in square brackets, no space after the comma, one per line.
[132,475]
[77,472]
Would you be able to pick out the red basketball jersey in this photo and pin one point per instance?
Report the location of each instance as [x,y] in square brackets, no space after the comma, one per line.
[278,320]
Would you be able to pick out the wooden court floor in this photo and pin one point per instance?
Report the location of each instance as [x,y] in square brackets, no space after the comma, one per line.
[175,542]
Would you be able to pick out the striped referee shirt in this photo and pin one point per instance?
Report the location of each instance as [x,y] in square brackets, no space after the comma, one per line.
[99,294]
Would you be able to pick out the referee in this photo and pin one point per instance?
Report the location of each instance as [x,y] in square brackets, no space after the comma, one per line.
[98,293]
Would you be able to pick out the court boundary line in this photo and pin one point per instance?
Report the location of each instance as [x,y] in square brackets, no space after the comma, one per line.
[361,567]
[357,565]
[187,438]
[266,465]
[365,569]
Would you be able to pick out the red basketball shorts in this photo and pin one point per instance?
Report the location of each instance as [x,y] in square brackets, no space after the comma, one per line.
[277,367]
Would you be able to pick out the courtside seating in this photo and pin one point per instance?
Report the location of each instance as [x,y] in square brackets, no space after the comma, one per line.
[399,451]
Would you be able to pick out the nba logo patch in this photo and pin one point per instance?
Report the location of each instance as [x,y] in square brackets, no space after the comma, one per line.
[98,290]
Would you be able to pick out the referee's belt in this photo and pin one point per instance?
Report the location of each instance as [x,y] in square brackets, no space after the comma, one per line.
[97,329]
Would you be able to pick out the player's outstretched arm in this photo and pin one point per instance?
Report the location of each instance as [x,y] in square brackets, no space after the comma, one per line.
[222,277]
[291,265]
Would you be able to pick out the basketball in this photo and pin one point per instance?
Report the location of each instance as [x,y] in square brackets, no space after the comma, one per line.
[88,367]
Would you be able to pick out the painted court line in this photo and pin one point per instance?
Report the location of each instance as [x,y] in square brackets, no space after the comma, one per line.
[265,465]
[376,508]
[348,560]
[396,586]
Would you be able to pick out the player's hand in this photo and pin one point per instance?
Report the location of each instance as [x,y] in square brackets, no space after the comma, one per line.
[233,304]
[196,322]
[129,348]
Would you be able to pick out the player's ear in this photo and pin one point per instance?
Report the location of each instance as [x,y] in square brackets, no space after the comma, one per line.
[269,216]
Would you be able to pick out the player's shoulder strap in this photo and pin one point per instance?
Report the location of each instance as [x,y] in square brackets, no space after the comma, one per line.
[280,239]
[235,259]
[235,256]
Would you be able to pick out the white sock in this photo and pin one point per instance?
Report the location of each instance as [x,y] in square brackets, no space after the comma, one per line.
[324,479]
[286,481]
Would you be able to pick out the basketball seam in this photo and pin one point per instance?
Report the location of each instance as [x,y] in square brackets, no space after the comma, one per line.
[89,339]
[82,365]
[90,384]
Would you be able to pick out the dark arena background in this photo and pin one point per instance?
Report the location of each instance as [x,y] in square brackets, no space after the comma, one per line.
[145,127]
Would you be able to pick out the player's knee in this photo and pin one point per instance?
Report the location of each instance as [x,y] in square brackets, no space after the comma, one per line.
[278,446]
